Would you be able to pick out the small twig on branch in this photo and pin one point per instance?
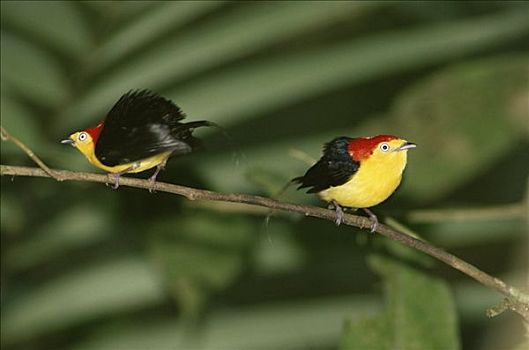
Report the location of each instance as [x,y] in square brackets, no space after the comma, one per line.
[509,304]
[8,137]
[511,292]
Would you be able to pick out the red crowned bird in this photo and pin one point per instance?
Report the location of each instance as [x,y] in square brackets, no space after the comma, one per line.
[141,131]
[357,173]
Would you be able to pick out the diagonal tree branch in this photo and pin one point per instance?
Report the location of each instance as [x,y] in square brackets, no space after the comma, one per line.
[517,299]
[512,293]
[8,137]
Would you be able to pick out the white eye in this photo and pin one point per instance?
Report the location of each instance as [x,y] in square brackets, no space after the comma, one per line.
[384,147]
[82,136]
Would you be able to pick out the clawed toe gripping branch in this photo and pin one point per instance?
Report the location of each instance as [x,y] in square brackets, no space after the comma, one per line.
[515,299]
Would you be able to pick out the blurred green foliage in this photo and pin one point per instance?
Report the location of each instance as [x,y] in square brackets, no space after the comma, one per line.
[407,322]
[86,267]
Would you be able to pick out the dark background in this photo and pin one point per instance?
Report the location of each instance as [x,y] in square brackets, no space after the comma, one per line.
[86,267]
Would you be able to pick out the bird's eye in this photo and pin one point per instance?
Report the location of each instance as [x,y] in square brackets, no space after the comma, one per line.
[82,136]
[384,147]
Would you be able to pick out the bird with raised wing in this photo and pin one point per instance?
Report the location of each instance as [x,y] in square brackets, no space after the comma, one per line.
[141,131]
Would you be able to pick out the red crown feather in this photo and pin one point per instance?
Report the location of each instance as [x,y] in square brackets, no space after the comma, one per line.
[94,132]
[362,148]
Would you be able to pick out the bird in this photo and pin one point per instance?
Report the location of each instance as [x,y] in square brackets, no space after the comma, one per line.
[141,131]
[357,173]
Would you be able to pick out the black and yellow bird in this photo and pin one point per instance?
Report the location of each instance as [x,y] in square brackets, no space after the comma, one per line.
[141,131]
[357,172]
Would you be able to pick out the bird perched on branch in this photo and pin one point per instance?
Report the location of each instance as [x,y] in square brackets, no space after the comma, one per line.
[357,173]
[141,131]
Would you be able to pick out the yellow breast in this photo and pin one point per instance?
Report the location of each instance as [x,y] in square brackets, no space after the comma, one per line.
[84,143]
[376,179]
[137,166]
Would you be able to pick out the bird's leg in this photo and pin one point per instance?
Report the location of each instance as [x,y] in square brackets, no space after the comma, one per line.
[152,179]
[114,177]
[339,212]
[373,218]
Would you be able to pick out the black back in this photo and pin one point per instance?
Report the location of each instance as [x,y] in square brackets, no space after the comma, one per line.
[142,124]
[335,167]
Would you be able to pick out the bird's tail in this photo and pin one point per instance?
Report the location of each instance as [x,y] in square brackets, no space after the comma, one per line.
[286,187]
[277,196]
[197,124]
[196,143]
[184,132]
[298,181]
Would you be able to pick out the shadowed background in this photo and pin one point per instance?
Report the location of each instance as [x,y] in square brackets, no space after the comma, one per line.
[86,267]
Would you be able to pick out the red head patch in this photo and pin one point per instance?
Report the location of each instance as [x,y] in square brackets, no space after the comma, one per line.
[94,132]
[361,148]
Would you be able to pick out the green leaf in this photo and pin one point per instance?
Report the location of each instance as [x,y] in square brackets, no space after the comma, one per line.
[24,69]
[420,313]
[268,325]
[72,229]
[58,24]
[11,215]
[463,118]
[165,17]
[199,255]
[447,115]
[18,120]
[248,90]
[116,12]
[276,250]
[368,334]
[122,284]
[218,41]
[231,94]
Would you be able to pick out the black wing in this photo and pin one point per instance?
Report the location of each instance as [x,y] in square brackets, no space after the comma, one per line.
[142,124]
[335,167]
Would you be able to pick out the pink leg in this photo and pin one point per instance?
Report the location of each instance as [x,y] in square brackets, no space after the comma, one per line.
[339,212]
[114,177]
[152,179]
[373,218]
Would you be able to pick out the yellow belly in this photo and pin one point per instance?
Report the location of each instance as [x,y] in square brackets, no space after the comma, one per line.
[137,166]
[373,183]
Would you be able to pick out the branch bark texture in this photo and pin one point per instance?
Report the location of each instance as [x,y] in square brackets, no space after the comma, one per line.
[516,299]
[512,293]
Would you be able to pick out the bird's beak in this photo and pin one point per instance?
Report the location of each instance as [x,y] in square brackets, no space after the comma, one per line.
[67,142]
[406,146]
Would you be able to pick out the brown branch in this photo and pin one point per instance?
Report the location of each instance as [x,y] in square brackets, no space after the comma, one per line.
[509,304]
[351,220]
[518,300]
[8,137]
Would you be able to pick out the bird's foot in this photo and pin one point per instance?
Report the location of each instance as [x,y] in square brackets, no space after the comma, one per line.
[339,212]
[114,180]
[152,179]
[114,177]
[373,218]
[152,184]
